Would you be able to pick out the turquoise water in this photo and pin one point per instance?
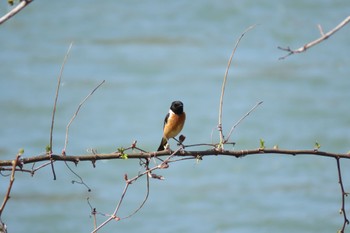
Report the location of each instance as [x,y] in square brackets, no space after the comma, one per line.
[151,53]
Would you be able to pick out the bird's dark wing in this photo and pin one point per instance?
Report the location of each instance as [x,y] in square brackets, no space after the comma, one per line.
[166,119]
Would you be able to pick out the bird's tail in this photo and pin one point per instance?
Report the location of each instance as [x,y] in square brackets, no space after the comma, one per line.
[162,144]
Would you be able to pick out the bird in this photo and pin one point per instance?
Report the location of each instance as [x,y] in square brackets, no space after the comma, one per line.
[173,123]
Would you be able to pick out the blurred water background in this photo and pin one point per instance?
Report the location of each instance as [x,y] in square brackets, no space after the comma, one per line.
[151,53]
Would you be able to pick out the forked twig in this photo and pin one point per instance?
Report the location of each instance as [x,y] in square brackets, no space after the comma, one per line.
[143,202]
[323,37]
[128,182]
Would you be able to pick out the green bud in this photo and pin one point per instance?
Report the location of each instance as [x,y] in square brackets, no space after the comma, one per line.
[21,151]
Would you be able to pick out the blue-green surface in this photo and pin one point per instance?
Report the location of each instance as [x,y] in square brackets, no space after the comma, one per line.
[153,52]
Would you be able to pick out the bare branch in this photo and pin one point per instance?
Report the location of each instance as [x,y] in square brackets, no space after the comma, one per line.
[184,153]
[315,42]
[21,5]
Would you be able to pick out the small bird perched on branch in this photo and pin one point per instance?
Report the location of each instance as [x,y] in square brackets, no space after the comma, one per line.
[173,123]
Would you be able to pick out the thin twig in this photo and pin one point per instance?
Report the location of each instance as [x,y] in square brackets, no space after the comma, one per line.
[240,120]
[143,202]
[323,37]
[79,177]
[66,139]
[21,5]
[320,29]
[201,144]
[128,183]
[93,212]
[55,106]
[222,139]
[57,91]
[113,216]
[33,170]
[344,194]
[12,179]
[76,114]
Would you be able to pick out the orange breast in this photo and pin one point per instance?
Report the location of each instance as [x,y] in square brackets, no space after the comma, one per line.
[174,125]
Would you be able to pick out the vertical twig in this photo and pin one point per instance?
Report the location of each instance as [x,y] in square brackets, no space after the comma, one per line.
[344,194]
[93,213]
[222,139]
[57,91]
[55,106]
